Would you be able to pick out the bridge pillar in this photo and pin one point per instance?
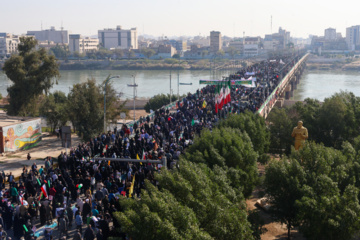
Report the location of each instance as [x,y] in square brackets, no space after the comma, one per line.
[288,92]
[294,83]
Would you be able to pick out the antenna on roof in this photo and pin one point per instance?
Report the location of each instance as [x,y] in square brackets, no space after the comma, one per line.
[271,24]
[41,26]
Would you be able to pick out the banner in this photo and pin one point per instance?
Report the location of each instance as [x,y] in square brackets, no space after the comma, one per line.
[250,82]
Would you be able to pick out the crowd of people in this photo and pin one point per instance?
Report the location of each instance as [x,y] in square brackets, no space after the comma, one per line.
[81,193]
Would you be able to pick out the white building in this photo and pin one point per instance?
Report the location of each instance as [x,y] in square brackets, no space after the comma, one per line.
[51,35]
[8,44]
[82,45]
[353,37]
[251,46]
[118,38]
[330,34]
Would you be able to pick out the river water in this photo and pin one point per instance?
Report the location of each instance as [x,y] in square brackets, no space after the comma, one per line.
[313,84]
[150,82]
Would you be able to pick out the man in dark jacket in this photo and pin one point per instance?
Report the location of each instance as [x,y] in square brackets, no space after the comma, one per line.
[89,233]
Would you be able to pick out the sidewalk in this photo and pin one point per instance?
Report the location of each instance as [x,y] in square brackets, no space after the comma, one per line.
[49,146]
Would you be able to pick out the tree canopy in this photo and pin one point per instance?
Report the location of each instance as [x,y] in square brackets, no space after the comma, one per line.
[32,73]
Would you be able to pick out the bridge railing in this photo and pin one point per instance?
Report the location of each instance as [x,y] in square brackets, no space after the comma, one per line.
[271,100]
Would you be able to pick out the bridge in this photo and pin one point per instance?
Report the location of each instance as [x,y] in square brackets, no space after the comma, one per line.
[285,89]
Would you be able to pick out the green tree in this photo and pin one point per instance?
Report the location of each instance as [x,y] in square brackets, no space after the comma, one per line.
[204,53]
[159,101]
[254,126]
[32,73]
[60,51]
[176,56]
[192,202]
[85,110]
[230,149]
[280,127]
[53,108]
[148,52]
[284,180]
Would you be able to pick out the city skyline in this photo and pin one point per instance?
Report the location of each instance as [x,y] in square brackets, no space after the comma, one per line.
[181,18]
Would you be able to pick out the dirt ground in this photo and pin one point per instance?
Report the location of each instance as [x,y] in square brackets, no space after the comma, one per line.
[275,230]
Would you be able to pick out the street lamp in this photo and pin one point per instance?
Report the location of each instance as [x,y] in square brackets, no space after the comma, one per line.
[106,81]
[178,83]
[170,80]
[133,86]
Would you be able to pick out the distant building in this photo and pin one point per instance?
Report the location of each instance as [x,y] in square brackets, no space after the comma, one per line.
[251,46]
[215,41]
[166,51]
[82,45]
[118,38]
[51,35]
[353,37]
[202,41]
[330,34]
[8,44]
[238,46]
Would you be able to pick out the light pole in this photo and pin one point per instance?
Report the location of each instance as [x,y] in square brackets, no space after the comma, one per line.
[178,83]
[133,86]
[106,81]
[170,80]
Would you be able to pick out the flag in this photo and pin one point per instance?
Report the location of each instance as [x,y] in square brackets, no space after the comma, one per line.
[228,98]
[138,158]
[143,155]
[40,196]
[21,198]
[204,104]
[131,190]
[217,93]
[38,182]
[43,189]
[192,122]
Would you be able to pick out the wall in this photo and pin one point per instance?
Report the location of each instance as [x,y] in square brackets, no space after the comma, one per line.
[23,135]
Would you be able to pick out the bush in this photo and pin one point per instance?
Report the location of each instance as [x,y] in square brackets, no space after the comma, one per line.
[159,101]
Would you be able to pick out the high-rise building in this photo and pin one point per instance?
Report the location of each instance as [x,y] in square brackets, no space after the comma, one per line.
[82,45]
[51,35]
[8,44]
[353,37]
[330,34]
[215,41]
[118,38]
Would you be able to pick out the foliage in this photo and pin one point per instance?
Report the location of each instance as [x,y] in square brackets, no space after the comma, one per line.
[60,51]
[148,52]
[1,96]
[317,189]
[176,56]
[254,126]
[85,110]
[159,101]
[31,71]
[231,150]
[257,224]
[283,182]
[280,127]
[192,202]
[53,108]
[333,122]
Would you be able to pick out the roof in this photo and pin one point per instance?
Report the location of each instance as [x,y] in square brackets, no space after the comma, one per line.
[11,120]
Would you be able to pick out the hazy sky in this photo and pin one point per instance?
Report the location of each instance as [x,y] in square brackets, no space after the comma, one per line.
[181,17]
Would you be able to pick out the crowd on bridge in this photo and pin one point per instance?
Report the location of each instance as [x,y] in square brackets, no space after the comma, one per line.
[81,193]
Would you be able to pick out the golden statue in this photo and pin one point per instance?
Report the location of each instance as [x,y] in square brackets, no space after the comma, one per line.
[300,133]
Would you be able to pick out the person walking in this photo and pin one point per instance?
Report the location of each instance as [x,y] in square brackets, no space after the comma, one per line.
[79,222]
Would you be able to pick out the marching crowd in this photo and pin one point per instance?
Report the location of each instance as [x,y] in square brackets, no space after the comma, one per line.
[81,193]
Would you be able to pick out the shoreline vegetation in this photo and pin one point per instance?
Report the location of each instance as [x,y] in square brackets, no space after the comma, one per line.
[333,62]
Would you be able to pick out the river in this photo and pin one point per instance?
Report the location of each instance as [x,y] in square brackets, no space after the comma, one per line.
[323,84]
[313,84]
[150,82]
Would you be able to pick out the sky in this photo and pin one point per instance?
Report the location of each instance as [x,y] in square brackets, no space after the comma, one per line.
[181,17]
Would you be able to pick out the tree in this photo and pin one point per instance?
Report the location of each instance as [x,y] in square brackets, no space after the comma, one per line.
[284,180]
[192,202]
[119,53]
[159,101]
[148,52]
[60,51]
[232,52]
[54,109]
[204,53]
[32,73]
[280,127]
[176,56]
[231,150]
[254,126]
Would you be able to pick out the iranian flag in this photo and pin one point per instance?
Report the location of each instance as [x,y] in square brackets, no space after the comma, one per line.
[222,97]
[43,189]
[217,96]
[228,91]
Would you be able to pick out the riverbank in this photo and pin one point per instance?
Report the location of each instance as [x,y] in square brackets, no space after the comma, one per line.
[341,63]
